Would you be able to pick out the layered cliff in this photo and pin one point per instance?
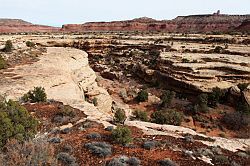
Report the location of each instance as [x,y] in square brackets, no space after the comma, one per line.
[187,24]
[19,26]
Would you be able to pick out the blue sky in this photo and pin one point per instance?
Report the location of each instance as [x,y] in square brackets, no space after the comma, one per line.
[58,12]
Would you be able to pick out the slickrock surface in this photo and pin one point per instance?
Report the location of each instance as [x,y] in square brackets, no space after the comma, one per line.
[66,77]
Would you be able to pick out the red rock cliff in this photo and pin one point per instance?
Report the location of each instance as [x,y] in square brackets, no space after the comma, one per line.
[195,23]
[17,26]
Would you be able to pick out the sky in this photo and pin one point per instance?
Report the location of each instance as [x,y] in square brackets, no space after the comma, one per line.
[59,12]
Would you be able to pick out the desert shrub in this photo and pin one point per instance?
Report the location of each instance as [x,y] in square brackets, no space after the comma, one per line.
[36,152]
[124,161]
[218,49]
[95,101]
[121,135]
[2,63]
[54,140]
[15,122]
[100,149]
[149,145]
[119,116]
[94,136]
[167,98]
[217,96]
[67,148]
[235,120]
[133,161]
[243,107]
[36,95]
[170,117]
[201,104]
[66,111]
[221,159]
[142,96]
[185,60]
[167,162]
[243,86]
[30,44]
[66,158]
[140,115]
[8,46]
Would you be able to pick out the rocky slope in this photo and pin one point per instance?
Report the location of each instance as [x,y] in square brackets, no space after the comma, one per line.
[182,24]
[18,26]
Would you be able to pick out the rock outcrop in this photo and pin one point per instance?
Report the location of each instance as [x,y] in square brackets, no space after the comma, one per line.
[20,26]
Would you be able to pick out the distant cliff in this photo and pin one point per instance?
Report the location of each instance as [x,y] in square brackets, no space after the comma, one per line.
[182,24]
[18,26]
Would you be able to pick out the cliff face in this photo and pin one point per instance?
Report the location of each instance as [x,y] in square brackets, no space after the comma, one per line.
[17,26]
[195,23]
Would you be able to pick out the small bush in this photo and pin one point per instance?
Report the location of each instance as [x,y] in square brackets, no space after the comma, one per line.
[140,115]
[36,95]
[217,96]
[95,102]
[66,158]
[221,159]
[55,140]
[121,135]
[201,104]
[243,86]
[30,44]
[243,108]
[119,116]
[15,122]
[219,49]
[2,63]
[167,98]
[142,96]
[124,161]
[170,117]
[94,136]
[37,152]
[235,120]
[167,162]
[185,60]
[100,149]
[8,46]
[66,111]
[149,145]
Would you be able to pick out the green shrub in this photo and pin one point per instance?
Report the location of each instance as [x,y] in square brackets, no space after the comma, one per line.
[2,63]
[8,46]
[201,104]
[140,115]
[243,107]
[167,98]
[217,96]
[122,135]
[243,86]
[170,117]
[36,95]
[142,96]
[15,122]
[95,101]
[185,60]
[30,44]
[120,116]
